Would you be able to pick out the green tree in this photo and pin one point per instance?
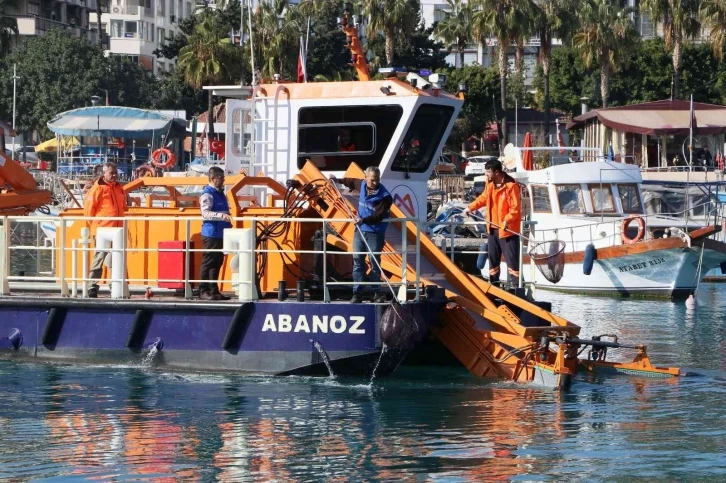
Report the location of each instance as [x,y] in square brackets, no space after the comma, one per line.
[497,18]
[59,72]
[555,19]
[570,80]
[389,17]
[327,54]
[417,50]
[713,13]
[208,58]
[175,93]
[680,21]
[648,77]
[455,28]
[481,97]
[605,36]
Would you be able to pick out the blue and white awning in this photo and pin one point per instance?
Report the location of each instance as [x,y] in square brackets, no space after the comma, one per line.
[115,121]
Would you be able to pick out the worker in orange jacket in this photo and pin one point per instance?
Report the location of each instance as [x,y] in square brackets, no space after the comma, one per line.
[502,199]
[106,198]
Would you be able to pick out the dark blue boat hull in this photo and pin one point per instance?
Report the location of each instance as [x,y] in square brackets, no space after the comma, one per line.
[265,337]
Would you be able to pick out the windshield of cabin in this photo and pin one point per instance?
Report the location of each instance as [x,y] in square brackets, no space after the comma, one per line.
[569,197]
[423,137]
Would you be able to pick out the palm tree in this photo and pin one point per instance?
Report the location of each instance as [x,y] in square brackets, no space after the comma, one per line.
[524,23]
[389,15]
[8,27]
[207,58]
[605,36]
[713,13]
[556,18]
[497,18]
[680,21]
[455,28]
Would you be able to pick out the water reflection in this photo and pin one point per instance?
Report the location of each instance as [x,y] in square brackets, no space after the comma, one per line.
[425,424]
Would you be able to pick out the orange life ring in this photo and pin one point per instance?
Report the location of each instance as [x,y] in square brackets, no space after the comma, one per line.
[624,230]
[162,158]
[144,171]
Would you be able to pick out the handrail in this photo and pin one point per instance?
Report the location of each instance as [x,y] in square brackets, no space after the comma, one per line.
[82,247]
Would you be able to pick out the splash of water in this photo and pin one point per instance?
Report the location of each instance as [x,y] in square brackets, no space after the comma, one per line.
[149,357]
[378,363]
[324,355]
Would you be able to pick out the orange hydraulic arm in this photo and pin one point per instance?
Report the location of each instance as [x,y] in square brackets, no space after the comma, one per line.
[507,349]
[19,193]
[358,60]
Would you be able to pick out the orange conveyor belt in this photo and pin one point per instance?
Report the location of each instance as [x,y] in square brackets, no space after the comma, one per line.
[476,327]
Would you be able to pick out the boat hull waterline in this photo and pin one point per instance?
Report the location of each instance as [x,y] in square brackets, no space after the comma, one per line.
[261,338]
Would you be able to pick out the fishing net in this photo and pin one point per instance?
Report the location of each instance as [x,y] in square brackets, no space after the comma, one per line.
[549,257]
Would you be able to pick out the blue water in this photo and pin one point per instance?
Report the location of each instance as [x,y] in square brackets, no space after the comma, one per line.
[72,423]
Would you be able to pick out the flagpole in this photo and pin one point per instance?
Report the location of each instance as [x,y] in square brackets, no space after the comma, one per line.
[307,37]
[690,158]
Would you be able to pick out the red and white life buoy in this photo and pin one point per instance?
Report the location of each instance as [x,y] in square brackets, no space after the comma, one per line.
[624,230]
[162,158]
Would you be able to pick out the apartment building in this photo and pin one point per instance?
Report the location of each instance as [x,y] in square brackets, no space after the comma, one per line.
[36,17]
[138,27]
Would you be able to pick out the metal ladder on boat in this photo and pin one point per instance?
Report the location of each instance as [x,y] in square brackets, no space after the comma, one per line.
[269,160]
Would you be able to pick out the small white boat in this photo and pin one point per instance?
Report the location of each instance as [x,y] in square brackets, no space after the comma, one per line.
[596,210]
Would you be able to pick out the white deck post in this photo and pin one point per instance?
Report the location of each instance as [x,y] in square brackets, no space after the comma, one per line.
[5,257]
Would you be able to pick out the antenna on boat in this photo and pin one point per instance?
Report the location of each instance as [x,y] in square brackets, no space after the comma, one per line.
[349,24]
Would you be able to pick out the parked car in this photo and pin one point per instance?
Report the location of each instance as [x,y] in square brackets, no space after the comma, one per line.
[475,165]
[477,189]
[30,155]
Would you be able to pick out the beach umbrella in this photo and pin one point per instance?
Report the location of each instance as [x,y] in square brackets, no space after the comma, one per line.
[527,160]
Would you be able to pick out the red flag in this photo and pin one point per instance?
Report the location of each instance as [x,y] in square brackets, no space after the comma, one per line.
[302,74]
[217,147]
[560,139]
[719,160]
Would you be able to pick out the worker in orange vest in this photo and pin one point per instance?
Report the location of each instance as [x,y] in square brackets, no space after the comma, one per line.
[345,140]
[106,198]
[502,199]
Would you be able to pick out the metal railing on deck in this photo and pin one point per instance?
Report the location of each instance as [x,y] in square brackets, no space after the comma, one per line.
[69,286]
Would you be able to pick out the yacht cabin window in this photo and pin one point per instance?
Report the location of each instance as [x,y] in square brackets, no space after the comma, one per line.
[569,197]
[602,198]
[332,137]
[422,138]
[630,198]
[541,202]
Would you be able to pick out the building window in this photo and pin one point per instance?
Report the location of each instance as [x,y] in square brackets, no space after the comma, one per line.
[33,8]
[160,36]
[130,29]
[440,12]
[188,10]
[151,33]
[161,8]
[541,199]
[423,138]
[117,27]
[333,137]
[172,8]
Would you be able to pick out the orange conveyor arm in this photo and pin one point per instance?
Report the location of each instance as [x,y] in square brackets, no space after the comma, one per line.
[19,193]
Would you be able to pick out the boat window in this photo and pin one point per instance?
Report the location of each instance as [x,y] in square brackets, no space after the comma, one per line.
[569,197]
[242,132]
[602,198]
[423,137]
[332,137]
[337,139]
[630,198]
[541,199]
